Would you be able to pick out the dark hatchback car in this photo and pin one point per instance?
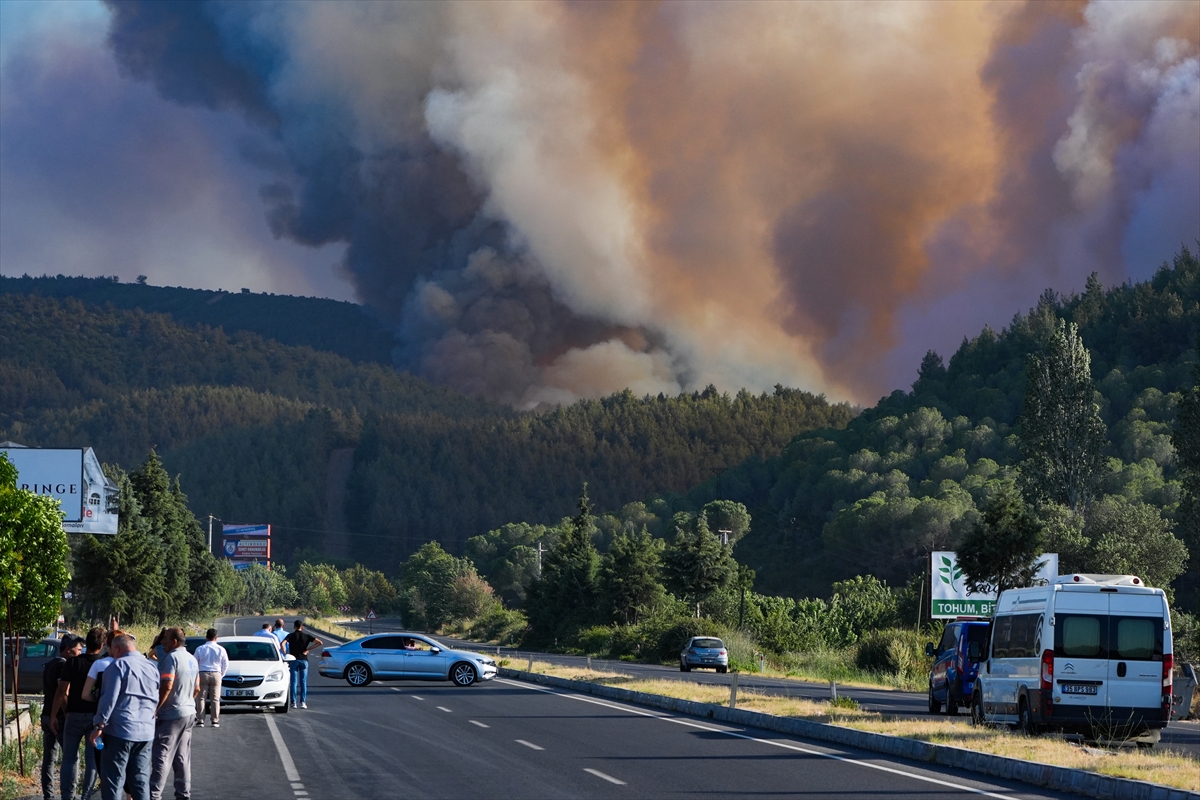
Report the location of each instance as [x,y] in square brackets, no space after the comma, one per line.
[956,664]
[33,657]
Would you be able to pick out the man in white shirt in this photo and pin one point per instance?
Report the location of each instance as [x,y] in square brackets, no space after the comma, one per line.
[214,663]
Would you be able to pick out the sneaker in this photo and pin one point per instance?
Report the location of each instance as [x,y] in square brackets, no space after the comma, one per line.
[293,705]
[216,724]
[304,705]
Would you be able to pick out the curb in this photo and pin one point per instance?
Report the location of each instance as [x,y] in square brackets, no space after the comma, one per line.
[10,730]
[1047,776]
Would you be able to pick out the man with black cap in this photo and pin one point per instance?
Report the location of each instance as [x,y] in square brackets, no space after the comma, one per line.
[68,647]
[78,723]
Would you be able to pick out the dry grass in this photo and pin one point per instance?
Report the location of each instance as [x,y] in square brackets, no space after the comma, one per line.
[1158,766]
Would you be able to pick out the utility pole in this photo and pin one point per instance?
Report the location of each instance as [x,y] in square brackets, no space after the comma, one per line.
[725,534]
[539,552]
[210,519]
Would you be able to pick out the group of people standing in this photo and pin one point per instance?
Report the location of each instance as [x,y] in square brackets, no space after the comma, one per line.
[135,712]
[297,644]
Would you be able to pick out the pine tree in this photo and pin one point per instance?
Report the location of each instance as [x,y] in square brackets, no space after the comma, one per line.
[1062,435]
[629,574]
[1186,439]
[1001,551]
[563,599]
[696,564]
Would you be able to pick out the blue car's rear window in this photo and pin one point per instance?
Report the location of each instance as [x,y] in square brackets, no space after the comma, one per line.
[708,644]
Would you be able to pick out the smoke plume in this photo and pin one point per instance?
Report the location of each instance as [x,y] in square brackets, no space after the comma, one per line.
[556,200]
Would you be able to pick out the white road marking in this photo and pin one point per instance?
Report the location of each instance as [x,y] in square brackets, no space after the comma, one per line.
[443,708]
[414,697]
[773,743]
[530,745]
[289,766]
[297,785]
[477,722]
[602,776]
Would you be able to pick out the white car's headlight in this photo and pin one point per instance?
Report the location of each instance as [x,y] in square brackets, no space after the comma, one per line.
[277,675]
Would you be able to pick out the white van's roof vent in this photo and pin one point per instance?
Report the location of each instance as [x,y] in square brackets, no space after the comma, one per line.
[1107,580]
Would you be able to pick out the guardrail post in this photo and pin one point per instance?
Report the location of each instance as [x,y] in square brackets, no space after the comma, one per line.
[530,667]
[833,690]
[733,684]
[589,663]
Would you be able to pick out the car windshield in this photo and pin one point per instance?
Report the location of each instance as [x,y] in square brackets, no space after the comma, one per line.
[708,644]
[251,651]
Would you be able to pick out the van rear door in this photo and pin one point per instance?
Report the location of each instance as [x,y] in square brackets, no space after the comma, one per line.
[1136,627]
[1080,659]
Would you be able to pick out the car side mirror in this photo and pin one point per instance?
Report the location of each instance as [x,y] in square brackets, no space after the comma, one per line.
[286,657]
[974,651]
[929,651]
[435,650]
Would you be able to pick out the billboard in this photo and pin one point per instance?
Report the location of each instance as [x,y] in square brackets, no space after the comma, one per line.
[949,597]
[72,476]
[245,544]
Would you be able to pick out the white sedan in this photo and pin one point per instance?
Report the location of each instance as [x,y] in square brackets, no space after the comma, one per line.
[258,675]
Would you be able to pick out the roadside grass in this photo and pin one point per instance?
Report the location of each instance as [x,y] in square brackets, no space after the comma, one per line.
[12,785]
[1160,765]
[337,629]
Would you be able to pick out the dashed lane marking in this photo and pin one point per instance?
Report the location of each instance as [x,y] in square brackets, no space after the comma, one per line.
[773,743]
[285,756]
[477,722]
[602,776]
[443,708]
[530,745]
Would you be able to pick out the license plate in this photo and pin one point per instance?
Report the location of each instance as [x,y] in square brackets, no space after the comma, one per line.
[1078,688]
[239,693]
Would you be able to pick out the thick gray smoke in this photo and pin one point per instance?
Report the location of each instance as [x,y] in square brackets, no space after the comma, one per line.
[554,200]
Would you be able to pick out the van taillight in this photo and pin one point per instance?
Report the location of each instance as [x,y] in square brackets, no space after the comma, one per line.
[1168,680]
[1047,669]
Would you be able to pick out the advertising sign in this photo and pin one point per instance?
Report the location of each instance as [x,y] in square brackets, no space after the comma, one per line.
[245,544]
[949,597]
[89,499]
[51,473]
[258,547]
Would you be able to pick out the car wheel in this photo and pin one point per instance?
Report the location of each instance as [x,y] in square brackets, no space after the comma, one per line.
[951,704]
[282,709]
[463,674]
[722,670]
[977,717]
[1025,717]
[683,667]
[358,674]
[935,707]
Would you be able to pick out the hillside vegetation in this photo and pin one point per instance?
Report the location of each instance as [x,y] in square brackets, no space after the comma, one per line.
[251,423]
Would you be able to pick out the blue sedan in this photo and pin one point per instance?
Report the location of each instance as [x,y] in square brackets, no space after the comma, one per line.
[403,656]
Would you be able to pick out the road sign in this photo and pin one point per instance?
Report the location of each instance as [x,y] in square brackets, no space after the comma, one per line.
[371,614]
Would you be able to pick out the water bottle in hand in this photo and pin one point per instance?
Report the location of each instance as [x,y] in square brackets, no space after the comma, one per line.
[99,745]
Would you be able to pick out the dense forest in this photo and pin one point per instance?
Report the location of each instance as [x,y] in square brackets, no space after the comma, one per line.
[252,422]
[345,329]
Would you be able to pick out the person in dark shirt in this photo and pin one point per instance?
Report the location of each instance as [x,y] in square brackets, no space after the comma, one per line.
[68,646]
[298,643]
[77,724]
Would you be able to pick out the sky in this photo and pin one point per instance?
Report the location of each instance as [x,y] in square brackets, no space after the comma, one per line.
[556,200]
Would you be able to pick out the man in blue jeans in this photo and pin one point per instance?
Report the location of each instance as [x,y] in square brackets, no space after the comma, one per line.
[125,719]
[298,643]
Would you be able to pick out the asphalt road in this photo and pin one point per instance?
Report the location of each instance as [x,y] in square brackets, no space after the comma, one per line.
[1183,737]
[509,739]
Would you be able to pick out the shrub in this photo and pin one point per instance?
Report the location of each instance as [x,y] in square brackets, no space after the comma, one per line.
[672,640]
[499,625]
[896,652]
[596,641]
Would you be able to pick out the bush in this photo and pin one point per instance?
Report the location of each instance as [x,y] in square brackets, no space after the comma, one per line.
[1186,637]
[672,640]
[596,641]
[896,652]
[499,625]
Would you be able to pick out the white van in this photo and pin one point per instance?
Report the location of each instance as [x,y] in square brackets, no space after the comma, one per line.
[1088,654]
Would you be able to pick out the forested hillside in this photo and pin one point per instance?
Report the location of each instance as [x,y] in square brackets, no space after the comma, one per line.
[912,473]
[349,330]
[251,423]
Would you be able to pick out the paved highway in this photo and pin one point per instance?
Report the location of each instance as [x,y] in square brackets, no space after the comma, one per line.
[508,739]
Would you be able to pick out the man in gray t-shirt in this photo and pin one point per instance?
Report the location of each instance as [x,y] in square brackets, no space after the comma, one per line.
[179,676]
